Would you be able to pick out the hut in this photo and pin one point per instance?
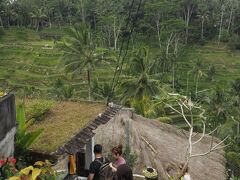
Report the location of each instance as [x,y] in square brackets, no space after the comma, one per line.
[161,146]
[68,135]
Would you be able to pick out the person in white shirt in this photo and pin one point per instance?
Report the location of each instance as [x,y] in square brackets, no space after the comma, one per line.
[186,175]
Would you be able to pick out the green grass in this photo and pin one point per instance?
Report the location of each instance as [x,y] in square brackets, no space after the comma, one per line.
[64,120]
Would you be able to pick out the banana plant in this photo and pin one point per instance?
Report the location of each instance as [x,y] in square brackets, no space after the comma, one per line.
[40,171]
[25,139]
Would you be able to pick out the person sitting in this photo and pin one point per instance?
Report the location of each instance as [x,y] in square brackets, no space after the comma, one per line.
[95,166]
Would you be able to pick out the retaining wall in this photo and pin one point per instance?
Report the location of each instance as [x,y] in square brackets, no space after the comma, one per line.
[7,125]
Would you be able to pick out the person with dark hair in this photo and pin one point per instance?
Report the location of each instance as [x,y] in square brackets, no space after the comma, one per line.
[95,166]
[117,155]
[124,172]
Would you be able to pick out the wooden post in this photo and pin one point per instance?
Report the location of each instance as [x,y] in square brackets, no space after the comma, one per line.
[89,155]
[72,165]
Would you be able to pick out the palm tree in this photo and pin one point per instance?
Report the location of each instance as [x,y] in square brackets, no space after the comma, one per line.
[80,53]
[198,72]
[218,108]
[236,92]
[38,15]
[9,13]
[140,80]
[211,72]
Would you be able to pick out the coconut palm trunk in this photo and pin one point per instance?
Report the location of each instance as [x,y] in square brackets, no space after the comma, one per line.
[238,124]
[220,27]
[89,84]
[1,23]
[173,77]
[196,89]
[202,29]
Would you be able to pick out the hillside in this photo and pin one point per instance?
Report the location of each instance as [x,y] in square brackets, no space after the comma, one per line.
[225,62]
[29,62]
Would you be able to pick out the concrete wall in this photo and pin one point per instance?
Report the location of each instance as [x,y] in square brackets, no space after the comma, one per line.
[89,155]
[7,125]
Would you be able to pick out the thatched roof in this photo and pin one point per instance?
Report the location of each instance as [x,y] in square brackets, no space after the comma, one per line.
[161,146]
[68,126]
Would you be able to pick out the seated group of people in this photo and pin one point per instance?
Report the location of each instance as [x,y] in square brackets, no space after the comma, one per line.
[102,168]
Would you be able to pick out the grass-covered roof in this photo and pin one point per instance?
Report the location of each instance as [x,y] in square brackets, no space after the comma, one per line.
[64,120]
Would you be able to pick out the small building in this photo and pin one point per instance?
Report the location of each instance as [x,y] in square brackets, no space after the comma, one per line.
[7,125]
[72,136]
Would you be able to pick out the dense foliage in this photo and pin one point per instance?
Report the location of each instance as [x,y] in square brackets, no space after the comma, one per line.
[160,20]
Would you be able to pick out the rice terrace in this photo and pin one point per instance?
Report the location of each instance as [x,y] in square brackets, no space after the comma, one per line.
[127,89]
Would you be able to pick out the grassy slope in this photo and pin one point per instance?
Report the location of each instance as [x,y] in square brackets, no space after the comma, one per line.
[64,120]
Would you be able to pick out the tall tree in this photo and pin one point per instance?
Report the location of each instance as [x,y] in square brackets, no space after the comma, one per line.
[236,93]
[158,12]
[2,3]
[80,53]
[203,13]
[38,15]
[139,81]
[198,72]
[218,108]
[189,7]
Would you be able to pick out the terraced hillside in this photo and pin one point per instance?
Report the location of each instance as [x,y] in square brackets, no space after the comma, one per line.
[225,62]
[27,61]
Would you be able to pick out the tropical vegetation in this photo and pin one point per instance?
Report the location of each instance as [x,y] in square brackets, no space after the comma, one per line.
[136,53]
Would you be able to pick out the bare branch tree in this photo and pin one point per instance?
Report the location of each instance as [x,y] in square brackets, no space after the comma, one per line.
[186,104]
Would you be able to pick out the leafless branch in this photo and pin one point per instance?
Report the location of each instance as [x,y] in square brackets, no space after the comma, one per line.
[149,145]
[213,130]
[203,134]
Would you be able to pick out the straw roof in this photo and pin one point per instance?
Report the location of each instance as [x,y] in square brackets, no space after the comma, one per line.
[161,146]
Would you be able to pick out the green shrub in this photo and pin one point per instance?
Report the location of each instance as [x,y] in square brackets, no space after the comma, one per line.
[225,36]
[234,42]
[62,91]
[38,108]
[233,158]
[167,120]
[1,33]
[24,139]
[131,157]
